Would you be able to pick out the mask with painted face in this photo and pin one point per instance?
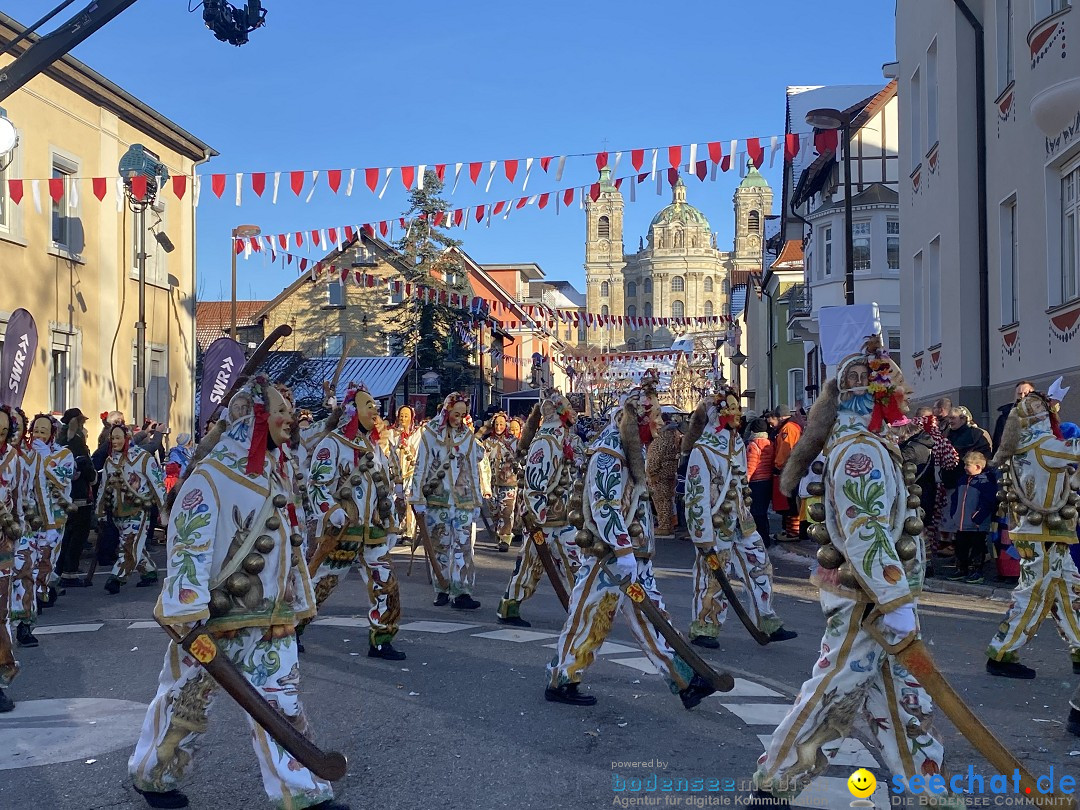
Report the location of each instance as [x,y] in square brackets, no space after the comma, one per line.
[367,411]
[118,439]
[279,417]
[5,425]
[42,429]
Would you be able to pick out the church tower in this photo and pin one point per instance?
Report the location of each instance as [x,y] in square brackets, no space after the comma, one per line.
[604,261]
[753,202]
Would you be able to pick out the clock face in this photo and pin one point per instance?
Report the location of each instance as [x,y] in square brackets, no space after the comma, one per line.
[754,240]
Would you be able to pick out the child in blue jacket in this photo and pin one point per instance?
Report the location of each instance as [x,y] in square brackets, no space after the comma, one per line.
[973,504]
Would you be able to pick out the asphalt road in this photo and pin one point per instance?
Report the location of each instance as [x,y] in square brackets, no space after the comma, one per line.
[462,723]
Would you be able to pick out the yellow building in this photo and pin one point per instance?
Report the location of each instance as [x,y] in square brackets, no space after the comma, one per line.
[73,264]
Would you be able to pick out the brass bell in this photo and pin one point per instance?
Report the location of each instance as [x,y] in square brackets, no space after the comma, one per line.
[441,474]
[253,563]
[635,529]
[1001,494]
[816,512]
[220,603]
[356,478]
[829,557]
[576,501]
[1074,498]
[913,502]
[264,544]
[906,548]
[1068,512]
[345,493]
[576,518]
[583,539]
[273,523]
[913,526]
[910,467]
[1019,509]
[369,455]
[910,478]
[847,576]
[384,506]
[819,533]
[718,521]
[915,490]
[748,502]
[818,467]
[382,491]
[280,501]
[428,490]
[726,507]
[238,584]
[1055,522]
[296,539]
[815,488]
[1011,496]
[1035,518]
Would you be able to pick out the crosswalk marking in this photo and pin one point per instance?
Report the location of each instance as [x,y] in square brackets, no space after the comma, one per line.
[513,634]
[54,629]
[607,648]
[343,621]
[143,625]
[759,714]
[437,627]
[744,689]
[642,664]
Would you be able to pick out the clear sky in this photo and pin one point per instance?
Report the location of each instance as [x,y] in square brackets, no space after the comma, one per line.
[339,84]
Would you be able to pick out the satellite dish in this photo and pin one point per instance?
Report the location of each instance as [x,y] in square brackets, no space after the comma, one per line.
[9,138]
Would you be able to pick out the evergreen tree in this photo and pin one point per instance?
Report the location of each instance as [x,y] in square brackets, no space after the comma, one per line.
[429,330]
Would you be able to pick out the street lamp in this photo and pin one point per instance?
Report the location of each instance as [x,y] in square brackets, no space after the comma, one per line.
[827,118]
[737,359]
[239,232]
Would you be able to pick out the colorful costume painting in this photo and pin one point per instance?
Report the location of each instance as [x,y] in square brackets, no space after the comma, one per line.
[405,439]
[131,482]
[618,521]
[718,519]
[501,449]
[234,563]
[871,570]
[1042,510]
[553,459]
[447,489]
[11,530]
[350,482]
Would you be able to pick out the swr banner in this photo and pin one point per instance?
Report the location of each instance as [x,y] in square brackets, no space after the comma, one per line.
[17,358]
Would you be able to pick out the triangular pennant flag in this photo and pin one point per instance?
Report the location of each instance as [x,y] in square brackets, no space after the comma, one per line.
[674,156]
[179,186]
[101,187]
[440,172]
[299,239]
[543,200]
[510,167]
[601,160]
[637,157]
[825,140]
[371,179]
[791,146]
[333,178]
[384,228]
[474,172]
[296,182]
[15,190]
[479,212]
[258,183]
[716,151]
[568,196]
[408,175]
[56,188]
[594,192]
[459,215]
[138,186]
[702,169]
[544,163]
[217,184]
[755,151]
[673,175]
[498,207]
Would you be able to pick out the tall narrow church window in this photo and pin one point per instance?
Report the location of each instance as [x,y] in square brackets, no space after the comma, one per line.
[676,309]
[678,284]
[605,289]
[648,286]
[708,284]
[631,289]
[648,341]
[646,311]
[603,228]
[708,309]
[604,311]
[631,344]
[753,222]
[631,311]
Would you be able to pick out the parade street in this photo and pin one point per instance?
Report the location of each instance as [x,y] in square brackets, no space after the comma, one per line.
[462,723]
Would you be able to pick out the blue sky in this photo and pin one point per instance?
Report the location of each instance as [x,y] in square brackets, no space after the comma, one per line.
[337,84]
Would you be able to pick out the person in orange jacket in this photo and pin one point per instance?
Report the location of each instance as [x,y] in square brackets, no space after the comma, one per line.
[788,433]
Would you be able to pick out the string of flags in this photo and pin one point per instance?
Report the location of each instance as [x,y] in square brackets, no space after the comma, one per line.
[305,182]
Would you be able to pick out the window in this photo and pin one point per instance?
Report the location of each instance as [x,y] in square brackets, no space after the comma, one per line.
[648,342]
[708,284]
[156,269]
[753,222]
[826,253]
[708,309]
[62,363]
[65,212]
[603,228]
[1008,260]
[1004,44]
[631,311]
[931,95]
[860,233]
[796,386]
[678,284]
[917,302]
[892,244]
[933,287]
[647,286]
[915,102]
[605,289]
[581,332]
[335,295]
[1070,222]
[631,344]
[676,309]
[646,311]
[894,341]
[156,394]
[604,311]
[1041,9]
[631,289]
[334,345]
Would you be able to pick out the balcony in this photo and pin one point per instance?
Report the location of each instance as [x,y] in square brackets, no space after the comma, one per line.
[800,301]
[1055,76]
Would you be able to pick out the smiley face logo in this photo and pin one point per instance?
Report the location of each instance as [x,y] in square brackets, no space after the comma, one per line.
[862,784]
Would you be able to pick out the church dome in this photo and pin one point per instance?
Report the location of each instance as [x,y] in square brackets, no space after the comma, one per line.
[680,211]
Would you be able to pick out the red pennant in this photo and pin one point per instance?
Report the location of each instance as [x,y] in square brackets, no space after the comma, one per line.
[474,171]
[383,227]
[350,232]
[725,164]
[479,212]
[258,183]
[702,167]
[791,146]
[543,201]
[673,175]
[618,183]
[510,167]
[368,228]
[303,265]
[332,234]
[440,171]
[674,156]
[594,192]
[101,187]
[283,240]
[544,163]
[826,140]
[238,246]
[138,187]
[296,181]
[438,218]
[408,175]
[637,157]
[371,178]
[756,151]
[315,238]
[568,196]
[498,208]
[333,177]
[298,238]
[56,188]
[459,215]
[601,160]
[179,185]
[716,151]
[15,190]
[522,202]
[217,184]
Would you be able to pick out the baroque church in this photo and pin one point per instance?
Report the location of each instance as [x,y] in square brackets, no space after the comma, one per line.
[677,273]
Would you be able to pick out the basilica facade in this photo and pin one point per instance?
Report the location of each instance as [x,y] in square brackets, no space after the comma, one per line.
[677,271]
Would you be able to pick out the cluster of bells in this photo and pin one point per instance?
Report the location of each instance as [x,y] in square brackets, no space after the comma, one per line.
[10,524]
[382,486]
[438,475]
[243,586]
[830,557]
[584,538]
[119,487]
[1010,500]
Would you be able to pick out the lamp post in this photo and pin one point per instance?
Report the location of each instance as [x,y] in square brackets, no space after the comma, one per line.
[827,118]
[737,359]
[239,232]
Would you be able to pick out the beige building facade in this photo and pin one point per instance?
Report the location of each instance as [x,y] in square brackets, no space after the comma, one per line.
[73,264]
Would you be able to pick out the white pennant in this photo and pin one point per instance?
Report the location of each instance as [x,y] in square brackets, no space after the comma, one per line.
[693,157]
[386,182]
[652,172]
[457,176]
[559,168]
[774,146]
[420,176]
[734,148]
[247,248]
[352,177]
[323,237]
[314,180]
[615,168]
[277,182]
[120,195]
[73,185]
[239,183]
[468,212]
[491,176]
[528,168]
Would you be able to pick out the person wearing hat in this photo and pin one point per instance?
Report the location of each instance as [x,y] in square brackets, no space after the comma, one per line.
[870,569]
[177,461]
[77,529]
[787,506]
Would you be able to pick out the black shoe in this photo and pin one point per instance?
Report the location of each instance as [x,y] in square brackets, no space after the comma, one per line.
[705,641]
[1072,724]
[83,581]
[146,582]
[385,652]
[1076,667]
[759,798]
[698,690]
[299,645]
[6,703]
[1009,669]
[25,636]
[504,546]
[782,635]
[168,798]
[112,585]
[442,599]
[568,693]
[465,602]
[41,605]
[54,594]
[513,621]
